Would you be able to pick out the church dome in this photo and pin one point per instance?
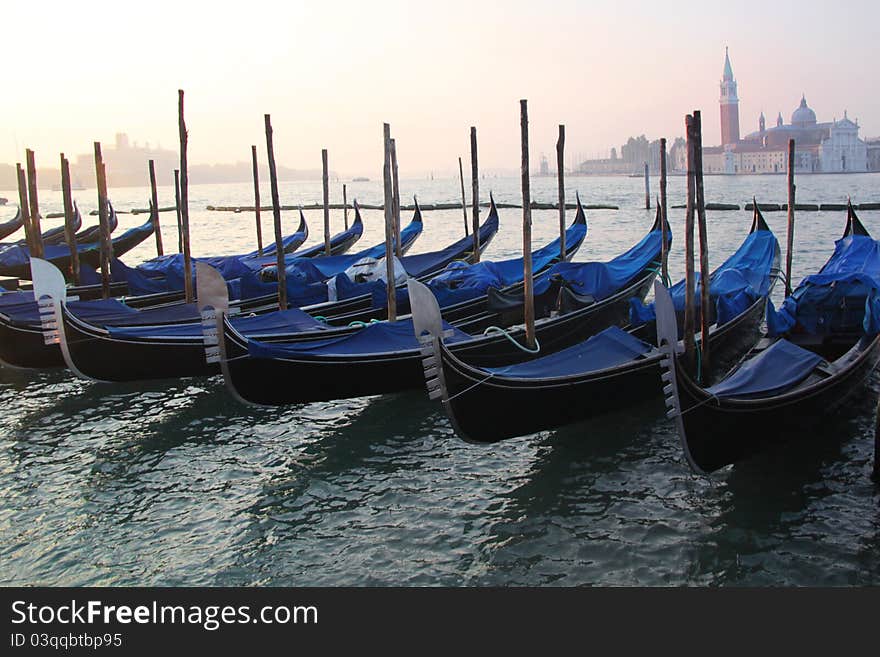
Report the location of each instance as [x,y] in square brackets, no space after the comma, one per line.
[803,115]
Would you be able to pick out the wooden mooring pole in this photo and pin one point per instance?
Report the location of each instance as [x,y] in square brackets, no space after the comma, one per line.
[177,207]
[103,220]
[184,202]
[389,226]
[154,195]
[528,287]
[276,218]
[325,183]
[34,203]
[664,248]
[560,179]
[257,221]
[791,203]
[395,200]
[345,205]
[69,232]
[647,188]
[690,284]
[704,246]
[475,195]
[463,202]
[24,207]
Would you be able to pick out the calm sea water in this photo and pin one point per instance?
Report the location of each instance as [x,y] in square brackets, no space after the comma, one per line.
[173,483]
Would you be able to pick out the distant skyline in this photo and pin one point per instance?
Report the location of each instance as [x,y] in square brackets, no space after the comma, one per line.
[330,73]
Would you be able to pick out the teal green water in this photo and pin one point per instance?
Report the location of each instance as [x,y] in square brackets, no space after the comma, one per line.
[173,482]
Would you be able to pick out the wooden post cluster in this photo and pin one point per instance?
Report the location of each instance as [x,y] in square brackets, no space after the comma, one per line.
[103,220]
[257,200]
[36,231]
[69,233]
[389,226]
[276,217]
[463,202]
[664,248]
[154,195]
[560,178]
[528,287]
[395,198]
[24,207]
[791,202]
[704,243]
[690,284]
[325,179]
[184,202]
[475,195]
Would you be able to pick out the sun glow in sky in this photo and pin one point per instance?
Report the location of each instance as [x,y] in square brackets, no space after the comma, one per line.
[331,72]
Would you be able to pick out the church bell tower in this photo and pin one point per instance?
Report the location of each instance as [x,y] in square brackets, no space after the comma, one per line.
[729,105]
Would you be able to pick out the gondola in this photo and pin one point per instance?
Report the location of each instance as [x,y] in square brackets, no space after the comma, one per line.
[170,267]
[609,370]
[342,242]
[111,341]
[7,228]
[385,357]
[797,375]
[51,237]
[15,260]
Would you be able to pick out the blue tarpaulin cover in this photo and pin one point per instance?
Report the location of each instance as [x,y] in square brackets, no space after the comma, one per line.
[381,337]
[286,321]
[460,281]
[779,367]
[228,266]
[744,277]
[843,296]
[602,279]
[18,255]
[304,290]
[611,347]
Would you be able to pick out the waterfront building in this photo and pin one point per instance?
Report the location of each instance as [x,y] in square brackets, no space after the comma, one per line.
[829,147]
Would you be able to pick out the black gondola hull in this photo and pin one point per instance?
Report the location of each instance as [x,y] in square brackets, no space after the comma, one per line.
[486,410]
[721,432]
[276,381]
[24,348]
[95,354]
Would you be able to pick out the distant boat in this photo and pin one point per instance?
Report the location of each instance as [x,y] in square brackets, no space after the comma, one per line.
[74,187]
[360,179]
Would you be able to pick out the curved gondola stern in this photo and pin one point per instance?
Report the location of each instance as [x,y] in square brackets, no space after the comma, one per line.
[854,226]
[493,209]
[580,217]
[357,214]
[758,221]
[667,342]
[113,218]
[417,211]
[302,228]
[50,293]
[213,305]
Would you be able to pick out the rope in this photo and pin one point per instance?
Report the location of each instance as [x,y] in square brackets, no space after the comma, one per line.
[506,334]
[663,279]
[471,387]
[359,323]
[708,399]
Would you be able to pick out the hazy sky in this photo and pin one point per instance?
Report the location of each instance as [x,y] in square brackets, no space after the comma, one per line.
[331,72]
